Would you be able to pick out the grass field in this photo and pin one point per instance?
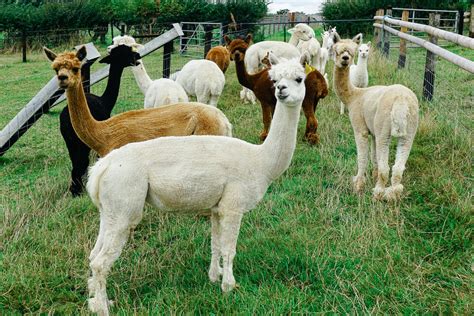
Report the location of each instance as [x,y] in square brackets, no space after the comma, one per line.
[311,245]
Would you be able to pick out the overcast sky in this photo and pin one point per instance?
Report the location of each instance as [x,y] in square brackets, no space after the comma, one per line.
[306,6]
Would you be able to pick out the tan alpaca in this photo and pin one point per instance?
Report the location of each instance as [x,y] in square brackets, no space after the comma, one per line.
[180,119]
[221,56]
[382,112]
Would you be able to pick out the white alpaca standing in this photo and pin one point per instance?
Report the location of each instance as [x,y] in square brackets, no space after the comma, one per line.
[254,55]
[382,112]
[157,92]
[324,52]
[223,175]
[303,37]
[203,79]
[358,74]
[332,32]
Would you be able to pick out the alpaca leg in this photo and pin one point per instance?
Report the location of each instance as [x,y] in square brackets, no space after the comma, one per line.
[341,111]
[362,160]
[204,98]
[373,159]
[311,133]
[403,151]
[230,226]
[79,154]
[213,100]
[215,269]
[267,119]
[114,241]
[382,152]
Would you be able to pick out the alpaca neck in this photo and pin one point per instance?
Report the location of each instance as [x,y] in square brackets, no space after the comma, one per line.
[342,84]
[362,62]
[109,97]
[85,126]
[293,40]
[325,42]
[142,78]
[242,75]
[281,140]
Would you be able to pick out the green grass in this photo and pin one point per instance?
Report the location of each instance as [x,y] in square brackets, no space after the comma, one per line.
[311,245]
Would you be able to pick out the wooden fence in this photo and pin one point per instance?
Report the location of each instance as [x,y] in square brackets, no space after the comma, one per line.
[383,31]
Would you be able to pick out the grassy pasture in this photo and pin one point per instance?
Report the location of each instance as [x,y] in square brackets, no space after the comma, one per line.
[311,245]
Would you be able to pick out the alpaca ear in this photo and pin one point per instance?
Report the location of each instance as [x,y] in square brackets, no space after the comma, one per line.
[227,39]
[81,53]
[49,53]
[291,31]
[369,43]
[248,39]
[335,37]
[357,39]
[273,58]
[105,60]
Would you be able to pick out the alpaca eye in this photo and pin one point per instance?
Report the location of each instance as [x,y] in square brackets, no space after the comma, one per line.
[274,81]
[299,79]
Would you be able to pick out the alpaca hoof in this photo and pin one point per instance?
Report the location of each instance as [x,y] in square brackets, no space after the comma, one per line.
[92,286]
[378,193]
[98,306]
[228,286]
[375,174]
[312,138]
[393,193]
[358,184]
[214,274]
[263,136]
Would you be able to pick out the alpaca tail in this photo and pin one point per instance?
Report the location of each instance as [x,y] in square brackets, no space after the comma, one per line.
[399,118]
[95,173]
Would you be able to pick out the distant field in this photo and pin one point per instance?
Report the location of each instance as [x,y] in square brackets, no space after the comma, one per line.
[311,245]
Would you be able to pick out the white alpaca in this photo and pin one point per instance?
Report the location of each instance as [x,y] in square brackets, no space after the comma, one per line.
[358,74]
[303,37]
[332,32]
[324,52]
[223,175]
[157,92]
[203,79]
[254,55]
[381,112]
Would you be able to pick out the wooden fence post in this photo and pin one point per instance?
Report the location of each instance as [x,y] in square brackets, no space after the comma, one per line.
[471,24]
[167,49]
[23,46]
[378,38]
[429,80]
[207,38]
[403,43]
[386,36]
[292,18]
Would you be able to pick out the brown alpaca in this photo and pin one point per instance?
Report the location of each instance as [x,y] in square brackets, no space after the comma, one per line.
[132,126]
[262,86]
[221,56]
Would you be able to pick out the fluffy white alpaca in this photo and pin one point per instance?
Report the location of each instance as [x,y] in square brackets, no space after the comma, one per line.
[256,52]
[303,37]
[324,52]
[225,176]
[381,112]
[332,32]
[358,74]
[203,79]
[157,92]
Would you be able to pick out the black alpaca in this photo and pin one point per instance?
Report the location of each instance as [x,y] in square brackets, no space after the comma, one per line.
[101,107]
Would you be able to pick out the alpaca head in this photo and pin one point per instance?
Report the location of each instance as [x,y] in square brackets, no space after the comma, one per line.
[67,66]
[238,47]
[302,31]
[123,56]
[364,50]
[345,50]
[288,78]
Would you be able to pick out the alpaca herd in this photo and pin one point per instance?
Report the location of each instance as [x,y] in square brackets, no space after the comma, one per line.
[180,156]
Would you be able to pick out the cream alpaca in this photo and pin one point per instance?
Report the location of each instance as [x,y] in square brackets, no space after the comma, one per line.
[324,53]
[303,37]
[223,175]
[203,79]
[380,111]
[157,92]
[358,74]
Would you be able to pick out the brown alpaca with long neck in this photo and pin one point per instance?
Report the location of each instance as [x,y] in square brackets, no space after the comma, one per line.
[132,126]
[263,88]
